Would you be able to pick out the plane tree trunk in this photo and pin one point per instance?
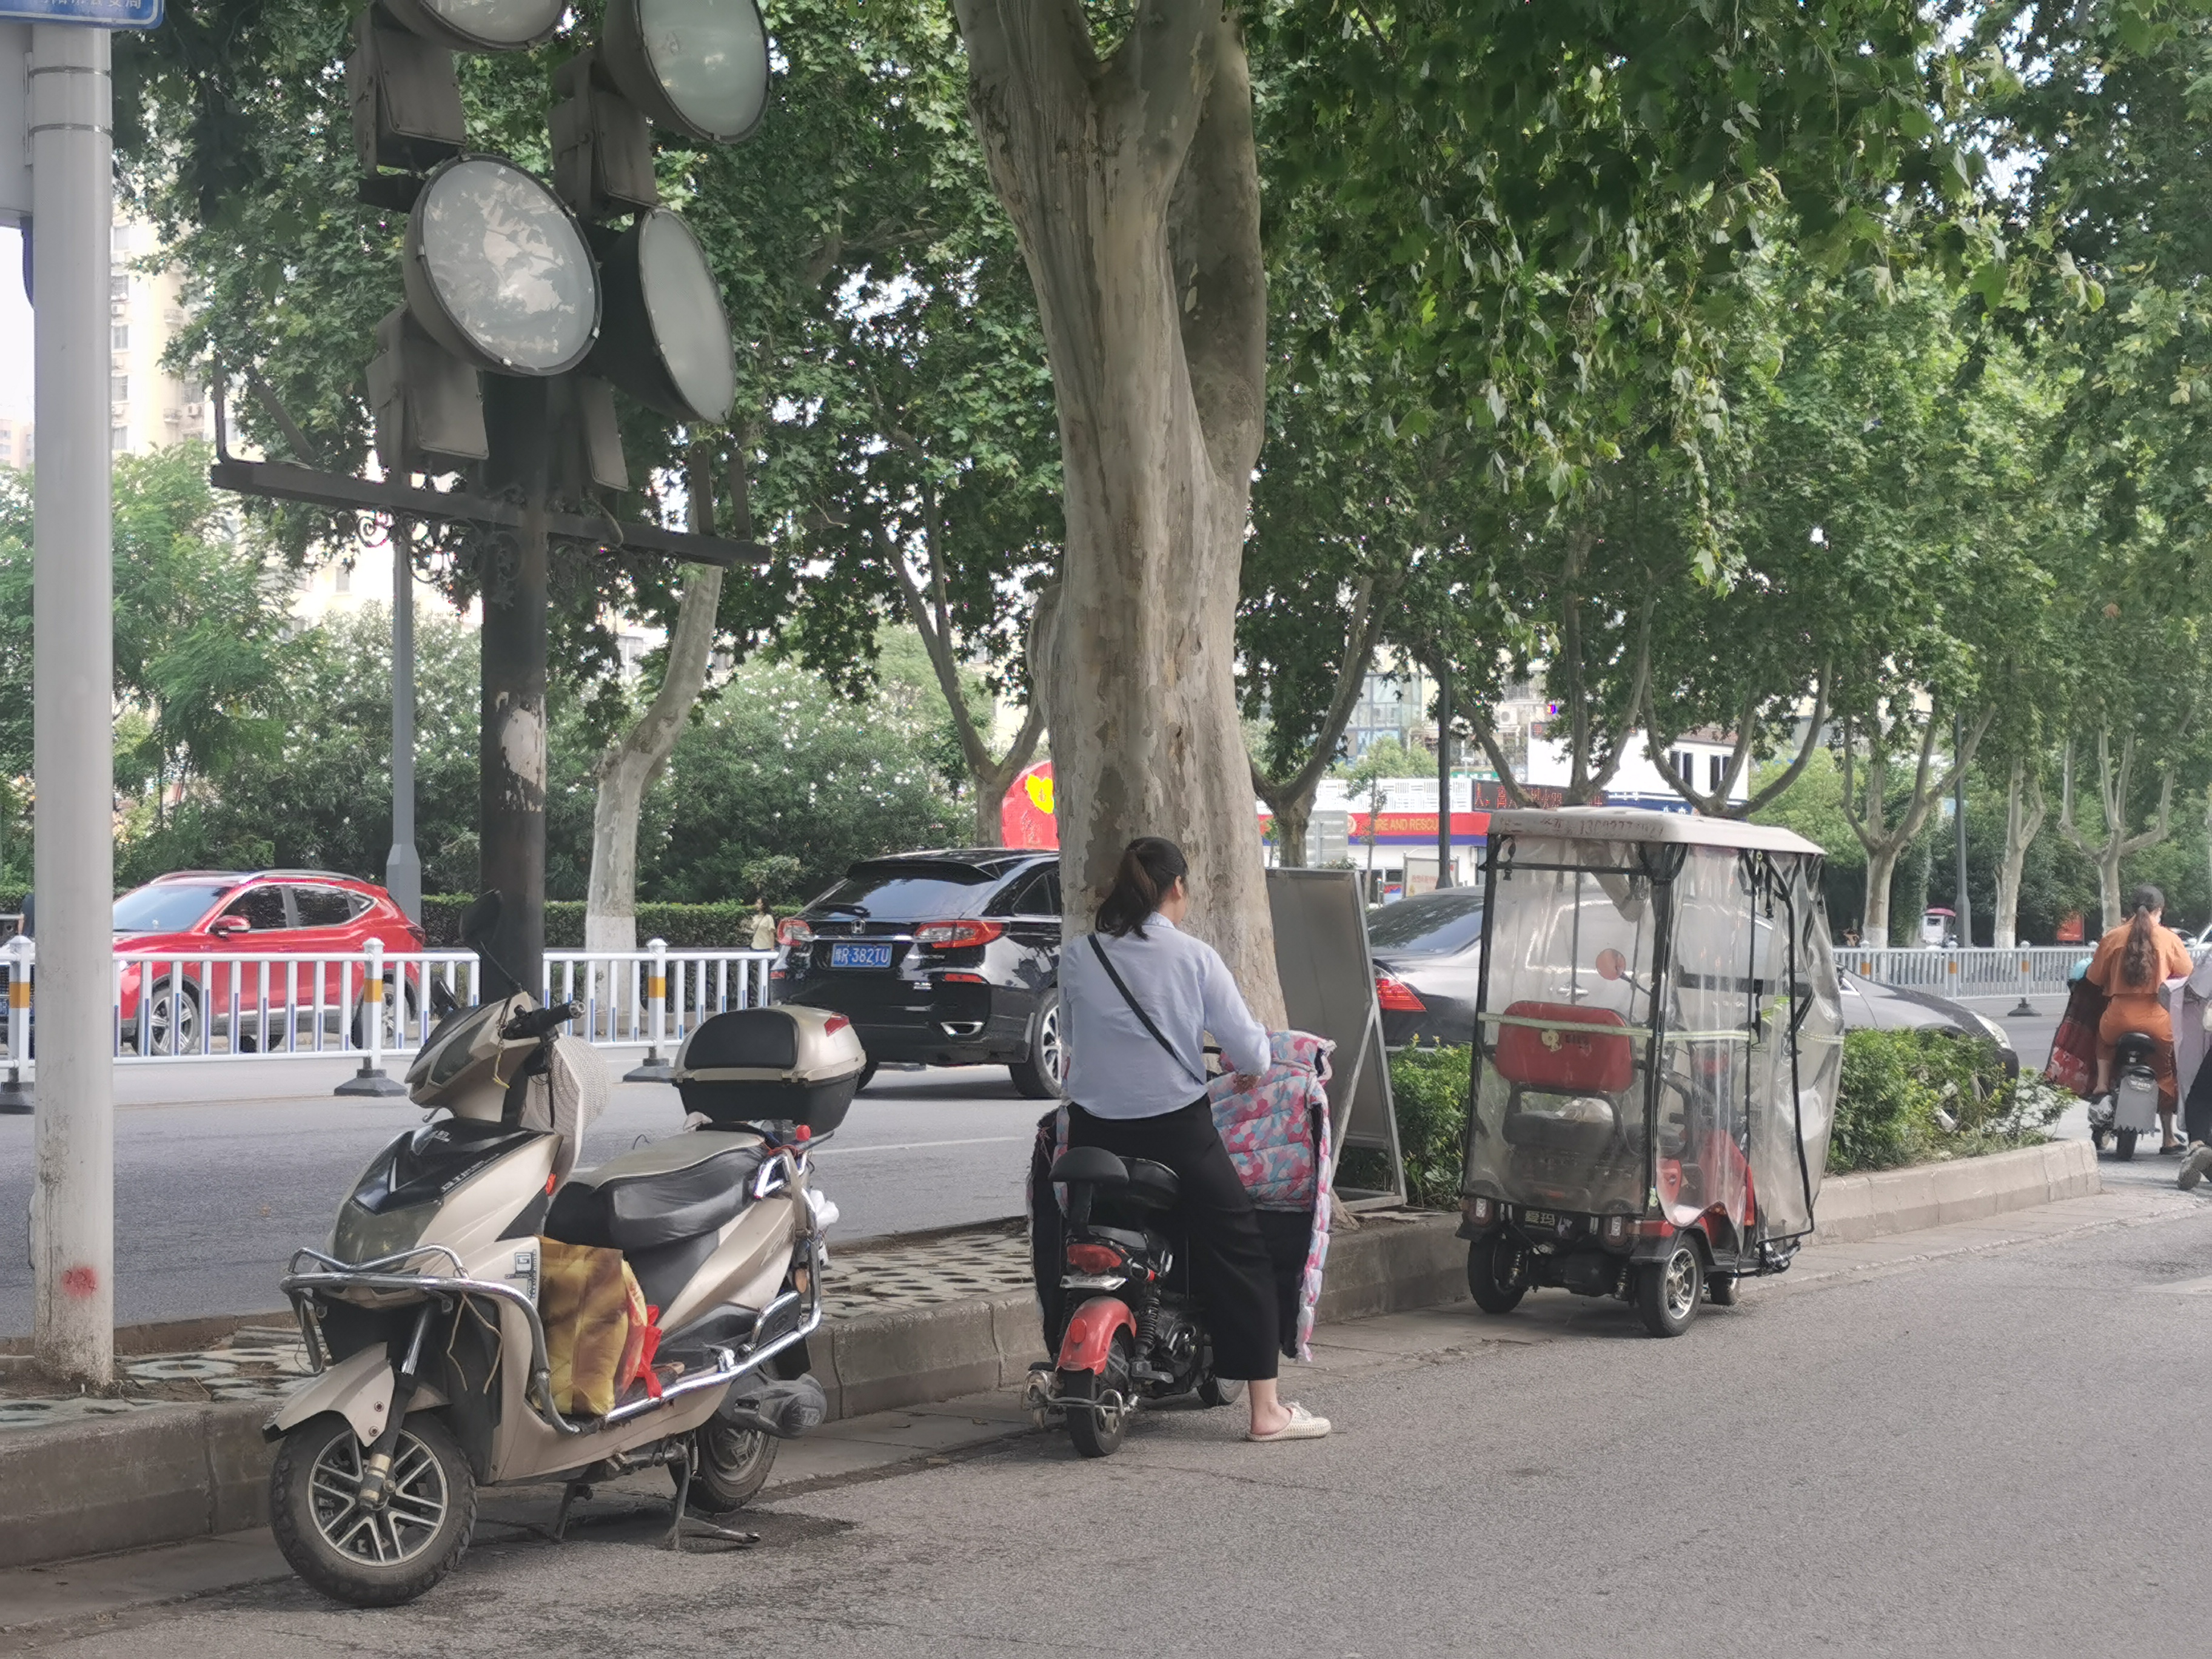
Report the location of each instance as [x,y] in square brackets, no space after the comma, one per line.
[1884,839]
[2113,779]
[1133,183]
[1291,799]
[630,763]
[2024,810]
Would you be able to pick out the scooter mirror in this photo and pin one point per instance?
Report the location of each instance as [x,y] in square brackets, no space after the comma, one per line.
[480,918]
[1611,964]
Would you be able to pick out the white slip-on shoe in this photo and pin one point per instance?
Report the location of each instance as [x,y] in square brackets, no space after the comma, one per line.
[2194,1166]
[1303,1425]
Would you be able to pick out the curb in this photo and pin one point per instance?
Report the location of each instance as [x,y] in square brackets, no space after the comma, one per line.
[1854,1208]
[171,1472]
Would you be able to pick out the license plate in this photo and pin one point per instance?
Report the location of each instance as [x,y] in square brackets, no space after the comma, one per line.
[1539,1217]
[859,956]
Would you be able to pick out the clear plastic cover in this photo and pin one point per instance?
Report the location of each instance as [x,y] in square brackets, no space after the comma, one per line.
[1574,1058]
[1565,1030]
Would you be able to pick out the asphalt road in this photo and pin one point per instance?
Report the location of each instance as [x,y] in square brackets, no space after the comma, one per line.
[212,1195]
[1984,1452]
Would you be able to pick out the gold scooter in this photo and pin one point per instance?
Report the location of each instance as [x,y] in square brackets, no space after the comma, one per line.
[432,1373]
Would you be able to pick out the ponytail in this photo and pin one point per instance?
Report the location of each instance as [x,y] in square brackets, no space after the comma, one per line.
[2139,956]
[1151,866]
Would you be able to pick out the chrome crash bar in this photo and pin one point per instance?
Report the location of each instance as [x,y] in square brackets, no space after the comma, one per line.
[380,1274]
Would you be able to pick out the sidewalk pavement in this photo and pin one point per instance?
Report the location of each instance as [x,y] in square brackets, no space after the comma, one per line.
[40,1605]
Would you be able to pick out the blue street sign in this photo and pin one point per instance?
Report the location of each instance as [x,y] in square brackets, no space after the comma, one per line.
[101,14]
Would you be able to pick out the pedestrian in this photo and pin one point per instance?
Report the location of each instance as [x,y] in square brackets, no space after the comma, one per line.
[763,924]
[2132,961]
[1850,939]
[1135,1013]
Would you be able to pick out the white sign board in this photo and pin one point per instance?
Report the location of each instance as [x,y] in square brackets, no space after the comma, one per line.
[101,14]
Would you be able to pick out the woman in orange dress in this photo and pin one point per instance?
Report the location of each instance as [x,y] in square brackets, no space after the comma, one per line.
[2132,961]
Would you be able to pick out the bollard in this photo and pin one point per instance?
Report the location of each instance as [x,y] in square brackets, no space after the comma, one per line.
[15,1095]
[655,1067]
[2026,1009]
[370,1079]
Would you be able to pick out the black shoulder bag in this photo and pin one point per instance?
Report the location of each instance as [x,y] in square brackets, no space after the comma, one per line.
[1144,1018]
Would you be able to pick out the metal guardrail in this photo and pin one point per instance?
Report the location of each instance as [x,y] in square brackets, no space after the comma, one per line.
[179,1008]
[2024,971]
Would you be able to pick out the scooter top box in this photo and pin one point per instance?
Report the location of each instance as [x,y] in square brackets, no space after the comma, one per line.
[793,1064]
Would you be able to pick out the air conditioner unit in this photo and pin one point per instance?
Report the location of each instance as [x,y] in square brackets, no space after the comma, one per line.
[1508,719]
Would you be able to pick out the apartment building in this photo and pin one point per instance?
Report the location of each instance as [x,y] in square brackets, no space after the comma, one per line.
[16,442]
[149,408]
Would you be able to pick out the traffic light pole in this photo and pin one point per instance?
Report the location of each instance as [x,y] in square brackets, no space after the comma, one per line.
[402,866]
[73,699]
[511,851]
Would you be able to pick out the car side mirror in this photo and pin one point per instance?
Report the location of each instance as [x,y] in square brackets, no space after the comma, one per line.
[224,926]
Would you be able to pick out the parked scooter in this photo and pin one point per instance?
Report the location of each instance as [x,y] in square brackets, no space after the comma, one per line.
[2131,1109]
[421,1318]
[1140,1336]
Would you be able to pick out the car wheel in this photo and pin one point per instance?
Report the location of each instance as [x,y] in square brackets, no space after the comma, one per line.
[1038,1075]
[170,1020]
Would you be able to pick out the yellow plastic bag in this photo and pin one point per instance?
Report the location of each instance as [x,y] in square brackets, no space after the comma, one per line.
[590,1305]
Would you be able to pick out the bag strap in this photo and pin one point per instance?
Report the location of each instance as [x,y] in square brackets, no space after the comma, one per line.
[1144,1018]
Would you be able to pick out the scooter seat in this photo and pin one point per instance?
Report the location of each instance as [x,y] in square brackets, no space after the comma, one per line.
[1134,1180]
[659,1194]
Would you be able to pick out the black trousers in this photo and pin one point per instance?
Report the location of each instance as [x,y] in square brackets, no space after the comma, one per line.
[1230,1273]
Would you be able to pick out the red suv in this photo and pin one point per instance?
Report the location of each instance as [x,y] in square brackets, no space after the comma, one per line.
[164,929]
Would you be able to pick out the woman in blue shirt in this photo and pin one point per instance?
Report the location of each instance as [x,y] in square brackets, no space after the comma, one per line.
[1130,1090]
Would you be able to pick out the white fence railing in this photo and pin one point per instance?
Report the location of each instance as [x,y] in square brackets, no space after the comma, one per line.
[171,1008]
[2028,971]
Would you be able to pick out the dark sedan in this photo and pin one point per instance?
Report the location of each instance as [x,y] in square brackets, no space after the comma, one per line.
[1427,951]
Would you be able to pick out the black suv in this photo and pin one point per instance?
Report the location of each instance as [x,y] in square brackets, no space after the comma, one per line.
[947,958]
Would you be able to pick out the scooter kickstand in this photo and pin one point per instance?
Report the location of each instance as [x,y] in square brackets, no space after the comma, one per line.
[700,1528]
[569,1494]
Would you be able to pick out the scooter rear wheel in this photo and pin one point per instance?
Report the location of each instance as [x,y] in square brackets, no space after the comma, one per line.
[376,1558]
[1219,1390]
[1097,1433]
[734,1465]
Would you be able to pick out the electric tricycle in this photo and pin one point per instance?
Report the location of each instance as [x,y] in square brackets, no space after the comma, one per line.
[1658,1039]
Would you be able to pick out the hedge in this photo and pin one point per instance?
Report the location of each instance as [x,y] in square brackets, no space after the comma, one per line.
[1898,1088]
[685,926]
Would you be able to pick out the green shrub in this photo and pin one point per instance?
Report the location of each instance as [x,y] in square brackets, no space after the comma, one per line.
[685,926]
[1428,1087]
[1899,1086]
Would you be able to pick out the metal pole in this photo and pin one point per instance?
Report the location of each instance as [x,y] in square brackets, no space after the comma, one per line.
[511,855]
[73,1242]
[1443,778]
[1963,904]
[403,867]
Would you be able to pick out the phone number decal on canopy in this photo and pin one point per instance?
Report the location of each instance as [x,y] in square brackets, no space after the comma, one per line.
[103,14]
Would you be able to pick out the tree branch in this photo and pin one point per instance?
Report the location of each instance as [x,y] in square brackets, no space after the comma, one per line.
[1488,738]
[1775,787]
[940,647]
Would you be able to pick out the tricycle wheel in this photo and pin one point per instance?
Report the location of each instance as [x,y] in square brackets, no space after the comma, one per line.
[1099,1433]
[1668,1290]
[1496,1273]
[1722,1288]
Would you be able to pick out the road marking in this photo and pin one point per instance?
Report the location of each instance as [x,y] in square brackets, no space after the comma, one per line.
[2181,1288]
[924,1146]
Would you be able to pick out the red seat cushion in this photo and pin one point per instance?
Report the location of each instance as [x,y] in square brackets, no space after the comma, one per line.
[1566,1057]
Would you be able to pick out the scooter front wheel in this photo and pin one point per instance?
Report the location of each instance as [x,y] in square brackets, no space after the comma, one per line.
[379,1557]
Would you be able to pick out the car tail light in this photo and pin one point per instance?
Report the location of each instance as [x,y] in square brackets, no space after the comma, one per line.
[960,979]
[1093,1258]
[794,930]
[956,935]
[1393,993]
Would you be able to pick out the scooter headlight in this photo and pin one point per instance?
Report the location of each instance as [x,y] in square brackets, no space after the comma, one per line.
[363,1236]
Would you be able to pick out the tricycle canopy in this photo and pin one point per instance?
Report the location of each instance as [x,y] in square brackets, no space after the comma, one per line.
[1659,1028]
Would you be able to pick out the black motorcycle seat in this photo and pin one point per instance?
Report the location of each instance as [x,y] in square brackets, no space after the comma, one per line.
[1092,1165]
[1136,1180]
[649,1209]
[2135,1049]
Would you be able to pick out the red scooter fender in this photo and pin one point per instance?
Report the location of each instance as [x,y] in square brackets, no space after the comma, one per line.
[1090,1333]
